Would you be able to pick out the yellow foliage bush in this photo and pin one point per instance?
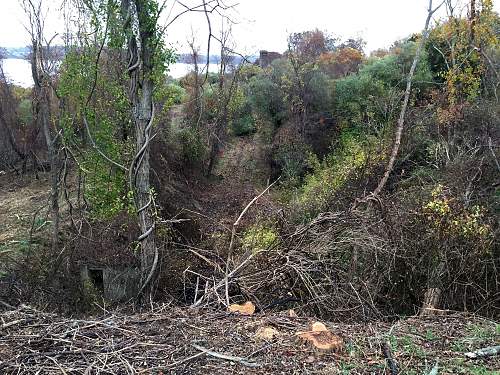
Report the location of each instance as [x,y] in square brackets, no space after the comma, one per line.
[450,217]
[259,237]
[332,173]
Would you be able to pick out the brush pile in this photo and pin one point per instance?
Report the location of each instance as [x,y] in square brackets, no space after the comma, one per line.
[192,341]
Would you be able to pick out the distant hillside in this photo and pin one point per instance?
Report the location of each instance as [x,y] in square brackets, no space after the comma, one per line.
[214,59]
[23,52]
[15,52]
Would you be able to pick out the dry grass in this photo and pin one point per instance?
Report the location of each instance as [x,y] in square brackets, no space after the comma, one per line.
[20,196]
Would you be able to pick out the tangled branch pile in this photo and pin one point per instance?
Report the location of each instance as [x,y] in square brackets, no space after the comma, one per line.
[179,341]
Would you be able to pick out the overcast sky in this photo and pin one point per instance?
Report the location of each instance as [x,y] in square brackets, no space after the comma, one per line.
[265,24]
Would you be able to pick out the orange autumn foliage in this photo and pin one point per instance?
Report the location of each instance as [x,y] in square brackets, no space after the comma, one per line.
[341,62]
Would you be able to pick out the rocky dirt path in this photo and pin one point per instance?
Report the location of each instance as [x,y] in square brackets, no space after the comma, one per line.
[241,174]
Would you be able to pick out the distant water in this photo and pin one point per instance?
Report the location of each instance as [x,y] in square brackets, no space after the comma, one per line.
[179,70]
[18,71]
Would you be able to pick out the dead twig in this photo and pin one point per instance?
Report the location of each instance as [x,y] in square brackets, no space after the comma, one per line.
[233,234]
[232,358]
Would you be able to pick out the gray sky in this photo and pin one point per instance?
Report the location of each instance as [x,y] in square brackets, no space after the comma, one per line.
[265,24]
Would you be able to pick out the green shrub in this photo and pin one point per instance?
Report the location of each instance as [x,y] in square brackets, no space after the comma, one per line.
[292,160]
[243,125]
[176,92]
[357,99]
[371,97]
[260,237]
[240,112]
[106,188]
[25,112]
[319,91]
[423,78]
[353,153]
[385,70]
[193,148]
[266,99]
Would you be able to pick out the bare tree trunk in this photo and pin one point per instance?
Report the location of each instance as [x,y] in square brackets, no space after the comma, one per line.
[430,304]
[141,94]
[220,122]
[472,20]
[52,148]
[42,105]
[197,86]
[401,120]
[223,100]
[143,195]
[432,295]
[10,135]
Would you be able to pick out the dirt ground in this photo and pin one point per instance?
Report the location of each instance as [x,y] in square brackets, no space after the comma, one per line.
[168,340]
[20,197]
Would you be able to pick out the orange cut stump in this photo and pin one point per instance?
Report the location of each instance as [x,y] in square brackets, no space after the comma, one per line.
[248,308]
[321,338]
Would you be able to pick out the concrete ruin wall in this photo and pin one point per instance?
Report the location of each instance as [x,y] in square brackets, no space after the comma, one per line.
[116,284]
[267,57]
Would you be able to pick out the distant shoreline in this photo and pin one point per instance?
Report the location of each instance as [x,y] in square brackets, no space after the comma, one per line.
[18,71]
[182,58]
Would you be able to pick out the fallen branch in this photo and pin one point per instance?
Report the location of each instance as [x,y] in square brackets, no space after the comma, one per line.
[484,352]
[231,358]
[174,364]
[237,222]
[386,351]
[5,304]
[233,234]
[13,323]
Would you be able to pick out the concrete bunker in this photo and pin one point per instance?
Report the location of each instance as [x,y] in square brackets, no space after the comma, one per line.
[116,284]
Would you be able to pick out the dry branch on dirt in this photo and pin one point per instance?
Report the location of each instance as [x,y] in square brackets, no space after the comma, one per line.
[193,341]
